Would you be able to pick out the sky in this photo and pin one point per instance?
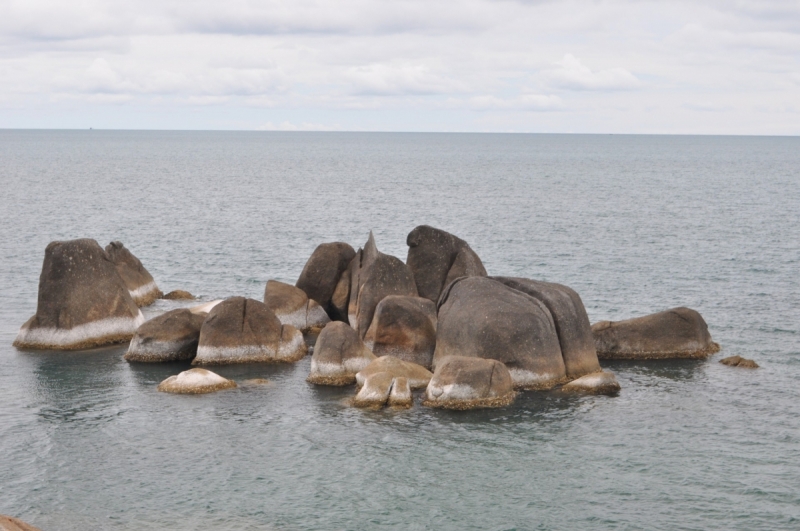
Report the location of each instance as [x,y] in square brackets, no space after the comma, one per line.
[577,66]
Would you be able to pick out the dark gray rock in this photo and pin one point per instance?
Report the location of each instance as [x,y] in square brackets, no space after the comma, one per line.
[171,336]
[676,333]
[404,327]
[140,283]
[468,383]
[83,302]
[436,258]
[572,322]
[483,318]
[322,272]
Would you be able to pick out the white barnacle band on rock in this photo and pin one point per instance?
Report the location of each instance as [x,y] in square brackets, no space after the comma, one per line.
[468,383]
[240,330]
[338,355]
[138,280]
[599,383]
[82,302]
[194,382]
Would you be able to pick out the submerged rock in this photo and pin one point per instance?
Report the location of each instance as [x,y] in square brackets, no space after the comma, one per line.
[417,376]
[321,275]
[240,330]
[571,321]
[83,302]
[676,333]
[195,382]
[738,361]
[178,295]
[8,523]
[436,258]
[140,283]
[171,336]
[598,383]
[338,355]
[374,276]
[467,383]
[293,307]
[404,327]
[483,318]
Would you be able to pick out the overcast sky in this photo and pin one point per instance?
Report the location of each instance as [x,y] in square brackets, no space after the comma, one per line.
[618,66]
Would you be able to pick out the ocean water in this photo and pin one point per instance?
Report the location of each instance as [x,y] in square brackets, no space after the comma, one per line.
[635,224]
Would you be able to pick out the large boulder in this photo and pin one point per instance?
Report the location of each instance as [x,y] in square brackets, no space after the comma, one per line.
[83,302]
[171,336]
[293,307]
[195,382]
[374,276]
[676,333]
[483,318]
[404,327]
[338,355]
[140,283]
[436,258]
[572,323]
[417,375]
[322,272]
[8,523]
[598,383]
[467,383]
[240,330]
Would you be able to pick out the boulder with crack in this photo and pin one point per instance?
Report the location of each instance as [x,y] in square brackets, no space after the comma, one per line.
[338,355]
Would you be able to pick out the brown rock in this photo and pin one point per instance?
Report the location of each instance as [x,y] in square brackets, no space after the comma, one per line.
[338,355]
[436,258]
[572,322]
[140,283]
[8,523]
[293,307]
[598,383]
[322,272]
[178,295]
[374,392]
[172,336]
[417,376]
[467,383]
[483,318]
[240,330]
[738,361]
[400,395]
[404,327]
[195,382]
[83,302]
[676,333]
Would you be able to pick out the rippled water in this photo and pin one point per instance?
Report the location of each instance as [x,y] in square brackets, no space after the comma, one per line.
[635,224]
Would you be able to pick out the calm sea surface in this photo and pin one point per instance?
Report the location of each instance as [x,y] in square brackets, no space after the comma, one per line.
[635,224]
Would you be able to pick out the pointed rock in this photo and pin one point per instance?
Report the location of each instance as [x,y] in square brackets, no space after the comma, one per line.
[140,283]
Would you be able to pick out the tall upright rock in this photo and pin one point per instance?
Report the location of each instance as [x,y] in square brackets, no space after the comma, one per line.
[322,272]
[140,283]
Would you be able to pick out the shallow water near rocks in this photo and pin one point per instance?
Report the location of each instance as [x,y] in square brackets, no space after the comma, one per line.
[635,224]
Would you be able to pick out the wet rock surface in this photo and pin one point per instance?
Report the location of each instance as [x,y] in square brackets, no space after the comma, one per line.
[468,383]
[599,383]
[178,295]
[417,376]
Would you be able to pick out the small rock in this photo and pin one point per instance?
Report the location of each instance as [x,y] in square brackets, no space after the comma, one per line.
[375,391]
[598,383]
[417,375]
[738,361]
[195,382]
[179,295]
[338,355]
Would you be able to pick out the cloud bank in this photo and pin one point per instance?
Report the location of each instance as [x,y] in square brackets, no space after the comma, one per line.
[613,66]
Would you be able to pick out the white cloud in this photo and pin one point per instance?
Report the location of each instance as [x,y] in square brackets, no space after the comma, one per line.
[525,102]
[574,75]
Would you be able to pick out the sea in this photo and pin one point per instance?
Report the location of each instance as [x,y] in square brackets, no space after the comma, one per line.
[635,224]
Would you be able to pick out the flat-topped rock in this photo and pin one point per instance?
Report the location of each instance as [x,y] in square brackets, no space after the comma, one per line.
[436,258]
[374,276]
[293,307]
[195,382]
[417,376]
[468,383]
[82,302]
[171,336]
[676,333]
[572,323]
[178,295]
[598,383]
[240,330]
[404,327]
[139,281]
[338,355]
[738,361]
[322,272]
[8,523]
[483,318]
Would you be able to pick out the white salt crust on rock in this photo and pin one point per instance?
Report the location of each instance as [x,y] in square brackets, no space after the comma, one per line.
[601,383]
[534,381]
[89,335]
[307,318]
[375,391]
[144,295]
[324,371]
[292,350]
[195,381]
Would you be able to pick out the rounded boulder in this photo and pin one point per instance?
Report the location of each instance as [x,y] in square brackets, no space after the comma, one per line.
[338,355]
[468,383]
[171,336]
[293,307]
[417,375]
[322,272]
[404,327]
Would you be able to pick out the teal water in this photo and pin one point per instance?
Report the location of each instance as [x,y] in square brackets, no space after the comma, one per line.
[635,224]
